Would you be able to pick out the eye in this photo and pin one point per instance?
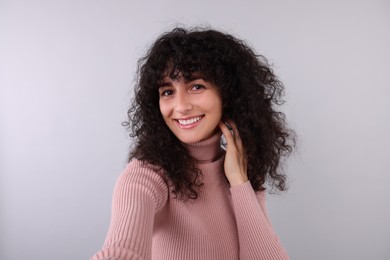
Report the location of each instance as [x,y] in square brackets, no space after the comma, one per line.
[166,93]
[197,87]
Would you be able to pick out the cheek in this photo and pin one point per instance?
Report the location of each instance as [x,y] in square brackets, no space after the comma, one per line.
[217,106]
[219,113]
[164,109]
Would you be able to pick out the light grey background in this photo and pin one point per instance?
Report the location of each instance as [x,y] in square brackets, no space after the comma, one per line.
[66,73]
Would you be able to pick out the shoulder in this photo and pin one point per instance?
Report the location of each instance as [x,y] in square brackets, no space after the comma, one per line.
[142,177]
[139,170]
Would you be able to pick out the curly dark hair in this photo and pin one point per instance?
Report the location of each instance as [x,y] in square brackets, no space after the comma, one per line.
[249,90]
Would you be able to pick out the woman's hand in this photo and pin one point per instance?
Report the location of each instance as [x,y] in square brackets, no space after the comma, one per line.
[235,160]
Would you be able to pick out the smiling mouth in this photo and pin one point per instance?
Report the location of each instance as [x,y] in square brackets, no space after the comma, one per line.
[190,121]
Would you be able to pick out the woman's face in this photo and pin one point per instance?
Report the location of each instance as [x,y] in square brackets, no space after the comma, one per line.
[191,109]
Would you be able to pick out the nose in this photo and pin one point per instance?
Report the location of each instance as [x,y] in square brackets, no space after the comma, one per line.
[183,103]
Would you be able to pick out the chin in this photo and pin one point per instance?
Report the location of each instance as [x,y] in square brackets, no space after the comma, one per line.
[190,140]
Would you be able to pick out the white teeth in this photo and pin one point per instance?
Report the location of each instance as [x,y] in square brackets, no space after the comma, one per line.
[190,121]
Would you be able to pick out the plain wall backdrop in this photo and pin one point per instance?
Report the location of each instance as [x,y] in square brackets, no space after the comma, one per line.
[66,76]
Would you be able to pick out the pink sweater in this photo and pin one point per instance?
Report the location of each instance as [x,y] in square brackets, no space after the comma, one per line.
[223,223]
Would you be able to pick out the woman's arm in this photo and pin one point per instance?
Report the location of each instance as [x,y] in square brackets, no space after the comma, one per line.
[256,236]
[257,239]
[139,193]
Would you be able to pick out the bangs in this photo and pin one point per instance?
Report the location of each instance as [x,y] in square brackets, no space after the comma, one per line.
[183,70]
[188,56]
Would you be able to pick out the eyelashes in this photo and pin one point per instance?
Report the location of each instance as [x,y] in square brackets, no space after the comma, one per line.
[166,93]
[198,86]
[193,88]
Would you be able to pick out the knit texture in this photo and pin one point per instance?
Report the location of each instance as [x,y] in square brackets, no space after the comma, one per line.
[223,223]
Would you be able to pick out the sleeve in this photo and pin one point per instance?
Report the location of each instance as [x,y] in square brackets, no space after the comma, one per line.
[139,193]
[257,239]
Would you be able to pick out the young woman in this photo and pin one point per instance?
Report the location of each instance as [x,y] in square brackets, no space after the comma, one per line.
[182,196]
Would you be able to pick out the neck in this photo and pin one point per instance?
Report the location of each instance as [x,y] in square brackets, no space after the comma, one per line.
[207,150]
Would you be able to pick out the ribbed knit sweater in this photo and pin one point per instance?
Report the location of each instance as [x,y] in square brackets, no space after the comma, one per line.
[223,223]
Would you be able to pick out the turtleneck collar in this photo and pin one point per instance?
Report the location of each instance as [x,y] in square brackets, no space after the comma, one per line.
[207,150]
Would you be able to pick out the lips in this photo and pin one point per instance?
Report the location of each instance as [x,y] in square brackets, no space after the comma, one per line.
[188,122]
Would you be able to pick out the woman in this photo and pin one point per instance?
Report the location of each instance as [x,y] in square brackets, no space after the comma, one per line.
[182,196]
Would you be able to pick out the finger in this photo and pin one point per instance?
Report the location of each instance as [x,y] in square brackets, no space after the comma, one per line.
[238,141]
[233,128]
[236,135]
[226,132]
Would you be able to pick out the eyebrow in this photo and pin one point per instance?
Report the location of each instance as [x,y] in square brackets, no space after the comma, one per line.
[169,84]
[165,84]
